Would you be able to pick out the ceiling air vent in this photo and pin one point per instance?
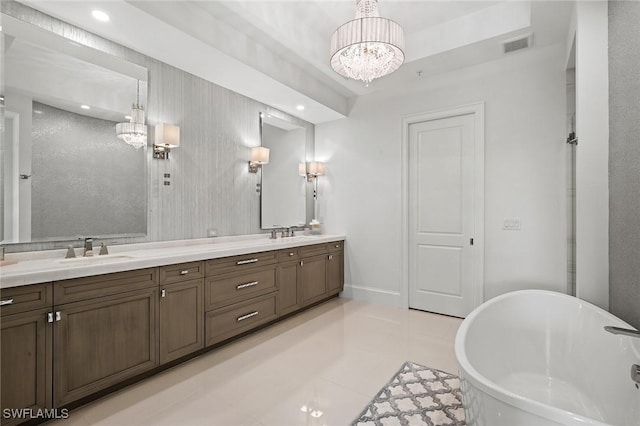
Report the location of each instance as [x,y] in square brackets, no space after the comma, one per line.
[518,43]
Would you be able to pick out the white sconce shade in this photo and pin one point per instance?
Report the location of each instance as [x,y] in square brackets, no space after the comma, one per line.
[316,168]
[311,170]
[259,156]
[167,136]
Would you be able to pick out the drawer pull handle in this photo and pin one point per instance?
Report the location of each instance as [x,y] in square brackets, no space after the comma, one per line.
[163,293]
[58,316]
[6,302]
[50,317]
[251,284]
[247,316]
[245,262]
[185,272]
[330,257]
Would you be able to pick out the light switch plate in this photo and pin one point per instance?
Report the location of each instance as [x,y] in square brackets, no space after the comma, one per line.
[511,224]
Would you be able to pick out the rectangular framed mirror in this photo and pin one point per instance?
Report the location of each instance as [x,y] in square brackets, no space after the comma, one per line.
[65,174]
[284,191]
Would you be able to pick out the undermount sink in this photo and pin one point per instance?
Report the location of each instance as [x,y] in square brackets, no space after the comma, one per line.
[95,260]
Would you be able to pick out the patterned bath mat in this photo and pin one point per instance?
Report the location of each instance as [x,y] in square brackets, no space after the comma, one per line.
[416,396]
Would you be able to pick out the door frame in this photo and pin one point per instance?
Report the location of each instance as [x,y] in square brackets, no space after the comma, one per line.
[477,109]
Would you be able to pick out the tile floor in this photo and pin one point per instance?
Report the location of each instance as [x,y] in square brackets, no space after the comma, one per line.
[332,358]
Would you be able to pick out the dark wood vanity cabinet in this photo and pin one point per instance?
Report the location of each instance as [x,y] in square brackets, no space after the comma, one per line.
[25,339]
[309,274]
[335,268]
[100,341]
[240,294]
[181,310]
[288,277]
[67,340]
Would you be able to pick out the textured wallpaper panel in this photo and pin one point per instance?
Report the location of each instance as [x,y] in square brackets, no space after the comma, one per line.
[624,161]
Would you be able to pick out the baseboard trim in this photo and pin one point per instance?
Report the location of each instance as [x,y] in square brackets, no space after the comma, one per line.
[372,295]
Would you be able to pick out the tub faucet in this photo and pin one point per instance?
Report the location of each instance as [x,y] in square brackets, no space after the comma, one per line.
[88,247]
[623,331]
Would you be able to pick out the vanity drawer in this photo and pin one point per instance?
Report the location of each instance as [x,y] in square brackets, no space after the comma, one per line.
[25,298]
[288,254]
[239,263]
[181,272]
[103,285]
[223,324]
[234,288]
[335,246]
[313,250]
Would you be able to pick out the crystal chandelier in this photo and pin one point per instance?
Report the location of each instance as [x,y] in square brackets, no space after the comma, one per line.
[135,131]
[367,47]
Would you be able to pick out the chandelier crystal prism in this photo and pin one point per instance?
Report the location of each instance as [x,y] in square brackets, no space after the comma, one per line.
[367,47]
[135,131]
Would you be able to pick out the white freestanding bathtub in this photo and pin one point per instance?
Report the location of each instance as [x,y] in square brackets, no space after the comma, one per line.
[538,358]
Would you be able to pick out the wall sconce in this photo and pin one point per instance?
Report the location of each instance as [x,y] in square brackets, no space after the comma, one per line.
[166,137]
[259,156]
[311,170]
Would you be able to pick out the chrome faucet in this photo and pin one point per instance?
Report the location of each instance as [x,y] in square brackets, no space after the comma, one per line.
[88,247]
[635,368]
[623,331]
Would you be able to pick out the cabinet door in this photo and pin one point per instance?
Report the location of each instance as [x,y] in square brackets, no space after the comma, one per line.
[181,319]
[289,296]
[26,361]
[314,283]
[335,272]
[103,341]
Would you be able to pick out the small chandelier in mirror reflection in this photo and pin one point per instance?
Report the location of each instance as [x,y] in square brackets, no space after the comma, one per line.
[367,47]
[135,131]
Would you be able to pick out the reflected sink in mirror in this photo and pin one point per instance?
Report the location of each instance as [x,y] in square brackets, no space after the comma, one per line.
[95,260]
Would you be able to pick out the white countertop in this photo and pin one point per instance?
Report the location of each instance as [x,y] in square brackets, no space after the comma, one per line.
[51,265]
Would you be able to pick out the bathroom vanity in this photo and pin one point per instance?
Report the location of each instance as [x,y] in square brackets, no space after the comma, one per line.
[97,324]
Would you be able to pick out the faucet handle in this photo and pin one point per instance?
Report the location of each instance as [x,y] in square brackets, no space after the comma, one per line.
[71,253]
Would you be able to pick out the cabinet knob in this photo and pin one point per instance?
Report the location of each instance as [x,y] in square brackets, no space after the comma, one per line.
[185,272]
[58,316]
[49,316]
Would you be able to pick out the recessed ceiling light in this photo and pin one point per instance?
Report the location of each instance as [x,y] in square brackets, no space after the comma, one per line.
[100,15]
[300,107]
[85,107]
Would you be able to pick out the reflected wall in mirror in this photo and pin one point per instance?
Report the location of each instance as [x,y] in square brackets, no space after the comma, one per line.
[65,173]
[284,191]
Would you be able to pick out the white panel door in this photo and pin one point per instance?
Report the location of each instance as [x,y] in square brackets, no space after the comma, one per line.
[441,215]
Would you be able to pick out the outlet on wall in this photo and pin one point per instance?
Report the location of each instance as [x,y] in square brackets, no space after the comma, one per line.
[511,224]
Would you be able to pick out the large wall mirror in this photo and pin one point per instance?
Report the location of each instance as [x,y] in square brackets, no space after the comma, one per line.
[65,174]
[284,191]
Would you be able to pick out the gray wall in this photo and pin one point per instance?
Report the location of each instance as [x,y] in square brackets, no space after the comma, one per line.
[210,186]
[624,160]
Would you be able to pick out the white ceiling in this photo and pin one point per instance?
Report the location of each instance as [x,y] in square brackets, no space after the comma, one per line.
[277,51]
